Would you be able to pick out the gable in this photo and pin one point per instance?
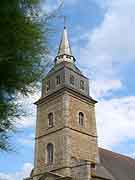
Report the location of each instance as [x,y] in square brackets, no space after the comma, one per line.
[121,167]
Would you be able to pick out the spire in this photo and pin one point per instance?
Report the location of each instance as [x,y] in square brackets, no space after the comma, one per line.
[64,47]
[64,52]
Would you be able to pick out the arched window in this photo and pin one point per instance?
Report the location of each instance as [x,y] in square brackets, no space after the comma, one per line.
[72,79]
[81,119]
[50,120]
[50,153]
[93,165]
[82,85]
[58,80]
[48,85]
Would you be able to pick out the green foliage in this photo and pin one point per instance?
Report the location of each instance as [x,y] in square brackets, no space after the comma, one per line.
[23,46]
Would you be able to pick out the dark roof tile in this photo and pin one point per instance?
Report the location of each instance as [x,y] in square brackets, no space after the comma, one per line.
[120,166]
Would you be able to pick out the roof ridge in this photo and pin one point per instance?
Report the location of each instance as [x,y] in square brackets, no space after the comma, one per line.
[116,153]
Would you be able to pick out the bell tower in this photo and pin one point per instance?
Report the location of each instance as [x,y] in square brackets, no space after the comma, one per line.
[66,137]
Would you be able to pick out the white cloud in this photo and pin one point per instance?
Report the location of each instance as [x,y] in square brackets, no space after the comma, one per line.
[115,120]
[26,122]
[71,2]
[132,155]
[52,5]
[103,3]
[111,46]
[23,173]
[114,38]
[100,88]
[109,49]
[29,140]
[29,108]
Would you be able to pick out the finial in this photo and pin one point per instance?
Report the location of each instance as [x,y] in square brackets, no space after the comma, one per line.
[65,22]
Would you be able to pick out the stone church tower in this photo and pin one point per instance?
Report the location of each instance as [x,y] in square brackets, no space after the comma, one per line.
[66,137]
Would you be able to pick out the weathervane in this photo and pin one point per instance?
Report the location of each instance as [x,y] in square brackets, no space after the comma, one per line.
[65,21]
[64,18]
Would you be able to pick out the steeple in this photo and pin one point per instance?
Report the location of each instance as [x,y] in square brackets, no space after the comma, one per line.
[64,47]
[66,139]
[64,52]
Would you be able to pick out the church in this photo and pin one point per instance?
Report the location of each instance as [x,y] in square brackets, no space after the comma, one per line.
[66,144]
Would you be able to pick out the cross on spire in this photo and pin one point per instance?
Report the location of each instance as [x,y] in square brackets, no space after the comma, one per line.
[65,21]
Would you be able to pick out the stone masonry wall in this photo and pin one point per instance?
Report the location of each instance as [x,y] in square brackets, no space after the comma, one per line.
[72,143]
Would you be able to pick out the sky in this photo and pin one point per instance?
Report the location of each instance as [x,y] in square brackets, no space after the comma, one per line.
[102,37]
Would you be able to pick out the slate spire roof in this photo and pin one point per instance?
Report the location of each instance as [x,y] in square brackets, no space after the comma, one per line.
[64,47]
[64,52]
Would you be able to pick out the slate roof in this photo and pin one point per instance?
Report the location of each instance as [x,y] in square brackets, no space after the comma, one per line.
[68,65]
[119,166]
[102,173]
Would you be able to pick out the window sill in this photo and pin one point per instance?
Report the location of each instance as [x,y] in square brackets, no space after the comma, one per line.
[50,127]
[50,164]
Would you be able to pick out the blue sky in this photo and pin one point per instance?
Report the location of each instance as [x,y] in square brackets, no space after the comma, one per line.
[103,42]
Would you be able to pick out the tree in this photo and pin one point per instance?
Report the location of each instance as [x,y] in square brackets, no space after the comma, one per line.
[23,47]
